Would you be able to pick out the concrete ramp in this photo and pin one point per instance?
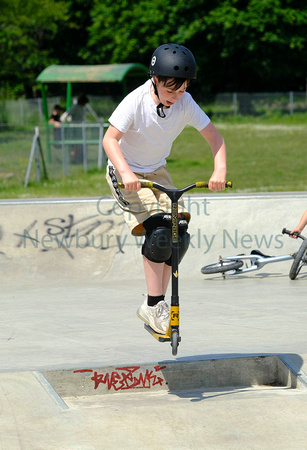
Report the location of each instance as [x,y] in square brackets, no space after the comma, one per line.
[88,239]
[58,239]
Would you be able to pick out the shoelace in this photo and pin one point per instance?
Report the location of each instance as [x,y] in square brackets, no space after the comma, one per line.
[163,310]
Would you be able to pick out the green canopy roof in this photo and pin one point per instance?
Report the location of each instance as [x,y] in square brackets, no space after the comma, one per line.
[106,73]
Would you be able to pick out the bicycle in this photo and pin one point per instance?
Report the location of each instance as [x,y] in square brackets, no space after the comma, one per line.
[231,265]
[172,335]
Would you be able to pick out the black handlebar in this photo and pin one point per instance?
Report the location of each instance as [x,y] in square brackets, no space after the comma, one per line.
[198,184]
[285,231]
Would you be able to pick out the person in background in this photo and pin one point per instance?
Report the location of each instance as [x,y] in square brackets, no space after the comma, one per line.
[301,225]
[55,120]
[76,114]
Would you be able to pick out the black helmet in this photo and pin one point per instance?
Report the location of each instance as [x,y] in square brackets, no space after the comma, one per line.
[173,60]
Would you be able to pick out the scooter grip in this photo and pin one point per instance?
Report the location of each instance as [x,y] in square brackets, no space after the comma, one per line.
[201,184]
[144,184]
[204,184]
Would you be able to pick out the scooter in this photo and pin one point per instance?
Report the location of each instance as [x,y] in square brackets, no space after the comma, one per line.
[172,335]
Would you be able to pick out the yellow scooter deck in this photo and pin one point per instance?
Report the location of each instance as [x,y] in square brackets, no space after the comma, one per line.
[160,337]
[174,321]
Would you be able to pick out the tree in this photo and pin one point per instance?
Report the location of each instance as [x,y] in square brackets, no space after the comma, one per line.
[239,44]
[262,45]
[72,35]
[129,30]
[27,30]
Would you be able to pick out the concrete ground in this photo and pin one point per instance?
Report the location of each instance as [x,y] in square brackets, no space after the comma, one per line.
[71,281]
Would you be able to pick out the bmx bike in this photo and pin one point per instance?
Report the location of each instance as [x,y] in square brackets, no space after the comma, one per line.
[172,335]
[232,265]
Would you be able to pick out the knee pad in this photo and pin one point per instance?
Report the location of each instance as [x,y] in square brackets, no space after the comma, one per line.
[158,239]
[183,240]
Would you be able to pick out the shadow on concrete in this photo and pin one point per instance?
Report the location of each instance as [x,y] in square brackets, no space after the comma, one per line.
[202,377]
[255,275]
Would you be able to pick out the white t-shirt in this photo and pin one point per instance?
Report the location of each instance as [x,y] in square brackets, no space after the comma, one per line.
[148,138]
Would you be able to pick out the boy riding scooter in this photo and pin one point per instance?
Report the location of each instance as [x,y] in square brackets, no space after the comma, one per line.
[142,130]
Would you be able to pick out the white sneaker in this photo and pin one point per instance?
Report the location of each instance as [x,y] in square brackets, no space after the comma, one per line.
[157,317]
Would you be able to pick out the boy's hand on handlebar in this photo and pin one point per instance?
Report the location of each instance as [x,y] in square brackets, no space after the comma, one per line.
[131,182]
[217,182]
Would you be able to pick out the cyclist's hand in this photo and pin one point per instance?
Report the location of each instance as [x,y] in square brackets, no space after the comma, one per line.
[217,181]
[131,182]
[296,230]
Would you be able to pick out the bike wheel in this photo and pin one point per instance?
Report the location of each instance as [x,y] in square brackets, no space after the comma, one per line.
[299,260]
[224,265]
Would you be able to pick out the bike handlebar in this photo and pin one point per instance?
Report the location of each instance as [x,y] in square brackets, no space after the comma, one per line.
[285,231]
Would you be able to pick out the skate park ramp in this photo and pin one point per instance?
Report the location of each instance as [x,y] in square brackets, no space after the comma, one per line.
[88,239]
[78,370]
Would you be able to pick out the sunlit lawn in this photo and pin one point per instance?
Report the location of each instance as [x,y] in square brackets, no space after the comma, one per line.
[263,156]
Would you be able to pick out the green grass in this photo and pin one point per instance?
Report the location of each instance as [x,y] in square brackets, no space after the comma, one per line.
[263,156]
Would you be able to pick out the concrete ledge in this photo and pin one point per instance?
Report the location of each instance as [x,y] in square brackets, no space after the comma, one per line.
[171,376]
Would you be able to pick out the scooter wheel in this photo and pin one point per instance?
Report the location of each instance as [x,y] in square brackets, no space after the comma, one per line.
[174,342]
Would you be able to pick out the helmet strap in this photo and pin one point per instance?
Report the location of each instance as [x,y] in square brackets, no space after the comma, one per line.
[155,88]
[160,107]
[160,111]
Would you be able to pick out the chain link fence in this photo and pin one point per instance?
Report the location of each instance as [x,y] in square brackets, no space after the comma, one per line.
[19,118]
[24,112]
[256,104]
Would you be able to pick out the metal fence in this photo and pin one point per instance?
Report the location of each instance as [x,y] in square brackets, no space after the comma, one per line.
[256,104]
[24,111]
[72,144]
[76,143]
[30,111]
